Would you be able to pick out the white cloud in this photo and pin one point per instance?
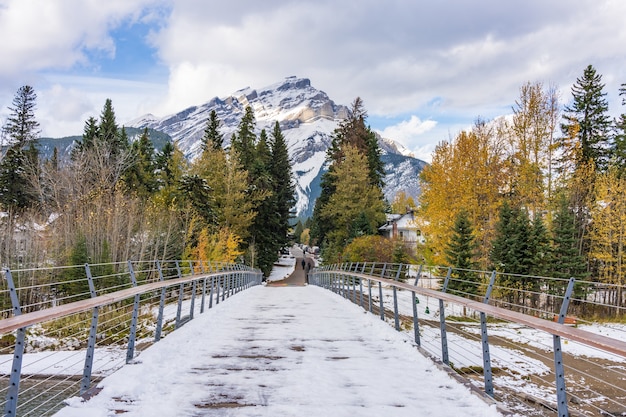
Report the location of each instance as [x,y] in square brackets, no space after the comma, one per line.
[449,61]
[407,132]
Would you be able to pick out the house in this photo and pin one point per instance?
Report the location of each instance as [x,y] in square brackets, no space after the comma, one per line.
[402,226]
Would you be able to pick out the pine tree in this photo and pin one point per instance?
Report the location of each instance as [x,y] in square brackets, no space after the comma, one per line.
[619,142]
[461,254]
[89,138]
[356,202]
[212,136]
[140,175]
[244,141]
[21,126]
[19,167]
[567,261]
[266,241]
[511,251]
[540,247]
[283,183]
[589,113]
[352,133]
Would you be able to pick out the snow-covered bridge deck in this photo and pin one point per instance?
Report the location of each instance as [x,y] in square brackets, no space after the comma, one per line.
[282,351]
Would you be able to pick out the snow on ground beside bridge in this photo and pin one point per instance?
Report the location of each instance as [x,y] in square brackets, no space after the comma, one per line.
[288,351]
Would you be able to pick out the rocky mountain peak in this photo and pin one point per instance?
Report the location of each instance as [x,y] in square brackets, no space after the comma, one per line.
[307,117]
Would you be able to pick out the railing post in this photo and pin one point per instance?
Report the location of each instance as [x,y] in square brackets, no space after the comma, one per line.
[91,341]
[442,322]
[369,288]
[416,326]
[130,352]
[217,288]
[380,293]
[16,369]
[194,285]
[559,369]
[211,292]
[203,289]
[361,285]
[395,299]
[487,373]
[181,295]
[159,324]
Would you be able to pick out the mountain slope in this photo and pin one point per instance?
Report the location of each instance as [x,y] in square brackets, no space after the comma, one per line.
[307,117]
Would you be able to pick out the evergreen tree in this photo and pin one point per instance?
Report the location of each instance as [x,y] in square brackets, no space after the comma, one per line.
[15,193]
[19,167]
[109,132]
[540,247]
[21,126]
[619,142]
[355,207]
[196,190]
[265,242]
[164,167]
[140,175]
[588,114]
[212,136]
[567,261]
[283,183]
[90,136]
[297,231]
[351,133]
[244,141]
[461,255]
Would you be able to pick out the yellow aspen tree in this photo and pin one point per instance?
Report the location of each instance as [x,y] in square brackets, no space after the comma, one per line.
[465,174]
[529,141]
[608,228]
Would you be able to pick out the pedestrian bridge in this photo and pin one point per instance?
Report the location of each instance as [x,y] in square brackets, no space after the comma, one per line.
[193,339]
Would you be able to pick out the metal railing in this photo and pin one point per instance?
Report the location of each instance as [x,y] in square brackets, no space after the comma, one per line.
[102,311]
[477,315]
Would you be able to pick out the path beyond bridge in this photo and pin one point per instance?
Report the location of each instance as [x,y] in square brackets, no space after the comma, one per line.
[282,351]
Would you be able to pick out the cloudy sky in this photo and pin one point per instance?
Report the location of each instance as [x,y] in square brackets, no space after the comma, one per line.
[424,69]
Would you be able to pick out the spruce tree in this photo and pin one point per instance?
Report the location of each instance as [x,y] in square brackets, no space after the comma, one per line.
[283,183]
[21,126]
[19,167]
[588,113]
[212,137]
[567,261]
[351,133]
[461,255]
[140,175]
[244,142]
[619,142]
[265,242]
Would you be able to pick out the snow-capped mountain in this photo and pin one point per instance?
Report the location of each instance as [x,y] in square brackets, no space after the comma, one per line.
[307,117]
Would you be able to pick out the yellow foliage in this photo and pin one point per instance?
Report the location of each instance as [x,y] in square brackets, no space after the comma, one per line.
[608,231]
[221,246]
[466,174]
[402,202]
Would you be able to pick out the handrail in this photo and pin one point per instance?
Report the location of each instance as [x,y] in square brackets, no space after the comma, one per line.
[27,319]
[517,297]
[224,282]
[605,343]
